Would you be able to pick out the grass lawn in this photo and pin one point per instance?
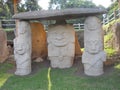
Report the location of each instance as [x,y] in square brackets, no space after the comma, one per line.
[65,79]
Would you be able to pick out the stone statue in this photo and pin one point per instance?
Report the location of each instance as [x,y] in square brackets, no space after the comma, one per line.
[4,52]
[93,56]
[61,45]
[22,49]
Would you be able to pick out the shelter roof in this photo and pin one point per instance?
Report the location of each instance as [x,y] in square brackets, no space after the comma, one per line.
[70,13]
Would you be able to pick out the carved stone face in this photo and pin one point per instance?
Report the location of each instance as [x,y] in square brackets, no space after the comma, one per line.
[93,46]
[59,38]
[19,48]
[92,23]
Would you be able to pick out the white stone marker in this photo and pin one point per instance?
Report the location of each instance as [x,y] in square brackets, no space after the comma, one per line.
[93,56]
[22,49]
[61,45]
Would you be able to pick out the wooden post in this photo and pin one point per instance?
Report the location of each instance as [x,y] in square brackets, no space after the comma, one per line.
[15,6]
[15,11]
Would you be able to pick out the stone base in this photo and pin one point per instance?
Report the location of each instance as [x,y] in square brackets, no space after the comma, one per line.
[22,72]
[61,62]
[93,70]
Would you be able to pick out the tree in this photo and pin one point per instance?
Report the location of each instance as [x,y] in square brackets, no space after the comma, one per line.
[62,4]
[7,8]
[113,7]
[29,5]
[118,1]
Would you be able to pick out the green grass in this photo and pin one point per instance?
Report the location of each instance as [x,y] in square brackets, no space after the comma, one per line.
[37,81]
[60,80]
[66,80]
[3,76]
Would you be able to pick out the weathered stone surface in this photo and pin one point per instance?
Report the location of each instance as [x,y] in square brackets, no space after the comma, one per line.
[22,49]
[59,14]
[93,56]
[116,36]
[61,45]
[4,53]
[39,41]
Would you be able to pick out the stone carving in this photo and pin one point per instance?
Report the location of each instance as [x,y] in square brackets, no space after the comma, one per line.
[4,53]
[93,56]
[61,45]
[22,49]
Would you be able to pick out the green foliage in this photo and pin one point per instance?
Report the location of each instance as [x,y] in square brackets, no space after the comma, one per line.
[7,9]
[29,5]
[62,4]
[108,37]
[110,51]
[108,27]
[8,29]
[108,41]
[113,7]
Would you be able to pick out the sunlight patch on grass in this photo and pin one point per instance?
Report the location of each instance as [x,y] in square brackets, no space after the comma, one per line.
[3,75]
[117,66]
[4,78]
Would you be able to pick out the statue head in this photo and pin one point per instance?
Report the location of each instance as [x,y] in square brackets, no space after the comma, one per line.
[60,36]
[92,23]
[19,46]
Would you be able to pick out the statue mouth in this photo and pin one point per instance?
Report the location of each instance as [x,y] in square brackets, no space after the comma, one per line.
[62,42]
